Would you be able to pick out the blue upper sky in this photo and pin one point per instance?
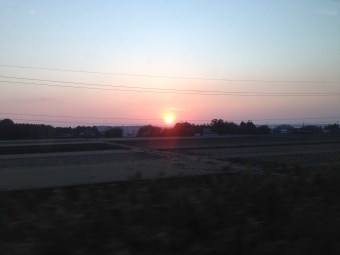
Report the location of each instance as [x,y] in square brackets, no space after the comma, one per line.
[265,40]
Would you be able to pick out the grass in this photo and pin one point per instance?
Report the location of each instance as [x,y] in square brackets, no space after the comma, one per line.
[216,214]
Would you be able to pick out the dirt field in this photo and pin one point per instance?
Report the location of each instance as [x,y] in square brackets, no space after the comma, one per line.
[275,151]
[184,143]
[275,156]
[59,161]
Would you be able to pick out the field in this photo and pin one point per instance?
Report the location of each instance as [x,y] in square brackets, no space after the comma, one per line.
[236,195]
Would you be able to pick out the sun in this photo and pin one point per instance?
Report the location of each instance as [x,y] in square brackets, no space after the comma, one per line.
[169,120]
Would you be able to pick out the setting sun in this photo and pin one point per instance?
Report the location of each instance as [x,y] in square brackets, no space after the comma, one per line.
[169,120]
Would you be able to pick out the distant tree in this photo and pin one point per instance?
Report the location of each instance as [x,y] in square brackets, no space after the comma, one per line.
[278,129]
[313,129]
[223,127]
[183,129]
[263,130]
[149,131]
[250,128]
[6,122]
[113,132]
[167,132]
[242,128]
[332,128]
[83,129]
[218,126]
[7,129]
[199,128]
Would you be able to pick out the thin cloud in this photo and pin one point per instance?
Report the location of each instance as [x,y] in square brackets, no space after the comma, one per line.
[180,109]
[39,100]
[328,12]
[46,99]
[32,11]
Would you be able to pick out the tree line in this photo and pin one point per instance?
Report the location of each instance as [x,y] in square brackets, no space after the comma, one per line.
[217,126]
[221,127]
[18,131]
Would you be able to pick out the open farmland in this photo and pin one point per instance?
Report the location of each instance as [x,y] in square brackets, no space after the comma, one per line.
[276,151]
[34,164]
[145,197]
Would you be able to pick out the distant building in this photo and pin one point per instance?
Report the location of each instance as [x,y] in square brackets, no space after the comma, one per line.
[207,132]
[128,131]
[86,134]
[283,129]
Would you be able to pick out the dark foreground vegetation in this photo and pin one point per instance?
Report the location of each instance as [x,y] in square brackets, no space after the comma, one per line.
[213,214]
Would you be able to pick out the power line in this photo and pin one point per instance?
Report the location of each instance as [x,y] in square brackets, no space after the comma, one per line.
[75,117]
[161,76]
[73,122]
[179,93]
[111,124]
[163,89]
[142,119]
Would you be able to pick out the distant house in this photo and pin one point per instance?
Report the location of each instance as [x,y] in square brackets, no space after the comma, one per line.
[146,134]
[207,132]
[301,130]
[86,134]
[283,129]
[128,131]
[65,136]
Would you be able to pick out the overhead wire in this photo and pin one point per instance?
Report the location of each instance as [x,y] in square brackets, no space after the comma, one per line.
[151,90]
[112,124]
[165,89]
[161,76]
[159,119]
[180,93]
[73,122]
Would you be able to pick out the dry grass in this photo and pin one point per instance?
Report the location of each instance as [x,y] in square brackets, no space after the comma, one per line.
[217,214]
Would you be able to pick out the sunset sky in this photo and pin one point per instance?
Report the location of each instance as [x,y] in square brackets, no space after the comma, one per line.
[275,47]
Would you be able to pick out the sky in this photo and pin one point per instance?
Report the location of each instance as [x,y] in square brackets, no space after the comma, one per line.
[77,59]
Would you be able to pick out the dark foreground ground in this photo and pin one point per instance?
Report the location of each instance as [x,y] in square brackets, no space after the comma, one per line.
[212,214]
[55,147]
